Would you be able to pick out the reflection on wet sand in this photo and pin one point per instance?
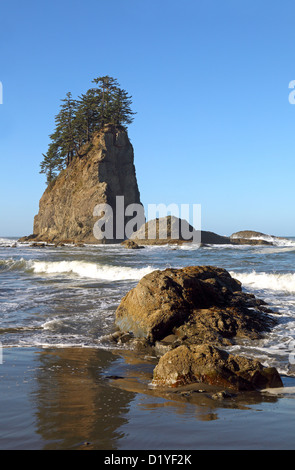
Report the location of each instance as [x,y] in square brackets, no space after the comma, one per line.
[87,398]
[76,406]
[208,399]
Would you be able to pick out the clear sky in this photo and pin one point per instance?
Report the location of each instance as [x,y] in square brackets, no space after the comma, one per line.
[209,81]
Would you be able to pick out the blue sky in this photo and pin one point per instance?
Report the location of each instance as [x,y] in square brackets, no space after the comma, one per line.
[209,82]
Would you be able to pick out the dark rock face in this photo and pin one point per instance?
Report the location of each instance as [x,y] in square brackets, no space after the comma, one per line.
[196,304]
[66,209]
[131,245]
[206,363]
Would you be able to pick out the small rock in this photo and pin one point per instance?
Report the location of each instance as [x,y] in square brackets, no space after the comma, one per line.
[208,364]
[131,245]
[221,395]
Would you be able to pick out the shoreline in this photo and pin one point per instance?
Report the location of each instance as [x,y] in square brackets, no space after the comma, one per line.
[42,407]
[75,397]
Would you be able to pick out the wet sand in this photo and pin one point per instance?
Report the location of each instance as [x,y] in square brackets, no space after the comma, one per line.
[80,398]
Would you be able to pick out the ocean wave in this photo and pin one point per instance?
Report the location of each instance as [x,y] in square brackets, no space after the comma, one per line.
[277,249]
[277,241]
[270,281]
[189,246]
[11,264]
[8,242]
[283,242]
[89,270]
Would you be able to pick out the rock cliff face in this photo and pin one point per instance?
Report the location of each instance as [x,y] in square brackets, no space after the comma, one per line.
[105,171]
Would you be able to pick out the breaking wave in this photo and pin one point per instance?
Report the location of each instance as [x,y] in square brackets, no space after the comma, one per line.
[81,269]
[7,241]
[12,264]
[89,270]
[277,241]
[271,281]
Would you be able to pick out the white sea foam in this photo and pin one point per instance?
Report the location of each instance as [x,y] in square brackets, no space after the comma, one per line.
[53,324]
[283,242]
[270,250]
[272,281]
[11,264]
[189,247]
[280,391]
[278,241]
[90,270]
[8,242]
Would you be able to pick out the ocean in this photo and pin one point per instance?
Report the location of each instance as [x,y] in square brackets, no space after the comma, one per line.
[57,308]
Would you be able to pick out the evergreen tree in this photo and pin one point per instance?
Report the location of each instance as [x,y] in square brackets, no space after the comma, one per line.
[87,116]
[52,163]
[65,134]
[121,108]
[78,121]
[107,86]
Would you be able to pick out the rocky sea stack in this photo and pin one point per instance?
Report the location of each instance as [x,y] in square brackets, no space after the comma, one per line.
[104,170]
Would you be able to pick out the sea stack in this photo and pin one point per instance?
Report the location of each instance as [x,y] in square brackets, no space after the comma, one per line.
[102,171]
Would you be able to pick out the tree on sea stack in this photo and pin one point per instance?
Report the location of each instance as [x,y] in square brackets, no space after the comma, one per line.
[79,119]
[66,130]
[106,87]
[115,103]
[87,116]
[63,145]
[52,163]
[122,113]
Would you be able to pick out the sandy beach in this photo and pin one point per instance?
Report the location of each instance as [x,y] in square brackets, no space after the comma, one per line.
[79,398]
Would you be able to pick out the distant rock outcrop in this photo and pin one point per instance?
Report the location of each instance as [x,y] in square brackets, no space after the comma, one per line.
[173,230]
[66,209]
[249,234]
[165,230]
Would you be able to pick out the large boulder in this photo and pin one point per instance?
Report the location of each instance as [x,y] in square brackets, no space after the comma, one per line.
[208,364]
[195,304]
